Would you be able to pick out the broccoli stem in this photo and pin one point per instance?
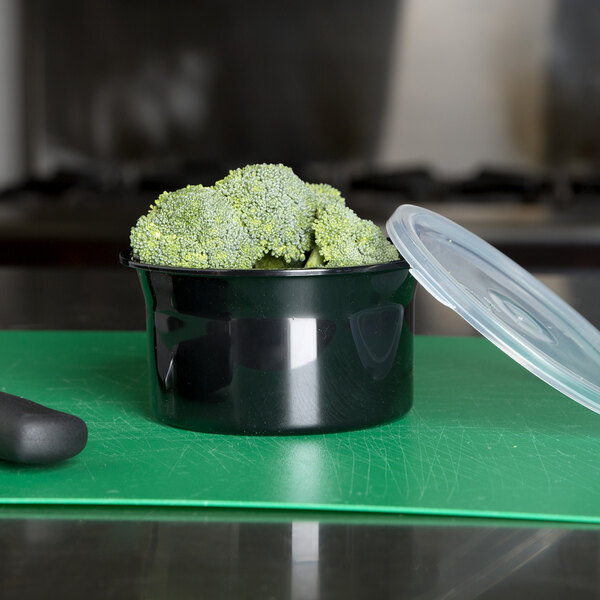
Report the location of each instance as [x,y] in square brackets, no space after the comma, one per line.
[268,261]
[315,260]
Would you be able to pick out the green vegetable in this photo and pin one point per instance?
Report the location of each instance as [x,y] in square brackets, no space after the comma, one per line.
[343,239]
[275,206]
[268,261]
[322,195]
[260,216]
[194,227]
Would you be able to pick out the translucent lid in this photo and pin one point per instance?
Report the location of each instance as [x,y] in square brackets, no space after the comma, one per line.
[502,301]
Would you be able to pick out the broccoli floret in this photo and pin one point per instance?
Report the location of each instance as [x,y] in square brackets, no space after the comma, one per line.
[322,195]
[260,216]
[194,227]
[343,239]
[274,205]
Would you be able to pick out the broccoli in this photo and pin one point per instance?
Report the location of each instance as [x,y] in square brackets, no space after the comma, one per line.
[194,227]
[262,217]
[343,239]
[322,195]
[274,205]
[268,261]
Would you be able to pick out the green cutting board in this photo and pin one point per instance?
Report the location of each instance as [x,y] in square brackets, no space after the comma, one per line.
[485,438]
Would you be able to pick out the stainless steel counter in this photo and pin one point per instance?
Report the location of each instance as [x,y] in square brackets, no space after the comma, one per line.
[242,555]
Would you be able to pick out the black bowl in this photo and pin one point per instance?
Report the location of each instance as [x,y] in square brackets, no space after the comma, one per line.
[288,351]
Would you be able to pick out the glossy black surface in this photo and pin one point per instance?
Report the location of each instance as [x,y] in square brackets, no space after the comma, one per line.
[279,352]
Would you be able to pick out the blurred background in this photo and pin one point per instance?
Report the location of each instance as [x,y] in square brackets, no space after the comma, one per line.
[488,112]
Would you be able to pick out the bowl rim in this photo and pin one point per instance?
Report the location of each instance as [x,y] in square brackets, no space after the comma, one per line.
[126,259]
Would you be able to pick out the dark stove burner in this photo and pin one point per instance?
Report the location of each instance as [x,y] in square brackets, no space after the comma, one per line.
[419,185]
[489,184]
[415,183]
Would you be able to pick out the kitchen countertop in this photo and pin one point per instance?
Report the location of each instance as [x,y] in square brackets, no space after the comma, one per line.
[222,553]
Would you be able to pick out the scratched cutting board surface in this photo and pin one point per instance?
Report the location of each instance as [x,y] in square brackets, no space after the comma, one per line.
[485,438]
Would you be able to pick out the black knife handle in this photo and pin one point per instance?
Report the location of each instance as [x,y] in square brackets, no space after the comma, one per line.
[34,434]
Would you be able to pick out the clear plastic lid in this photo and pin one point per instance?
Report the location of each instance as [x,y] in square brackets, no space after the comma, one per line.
[502,301]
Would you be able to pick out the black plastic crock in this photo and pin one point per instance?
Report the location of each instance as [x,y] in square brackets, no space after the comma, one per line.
[278,352]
